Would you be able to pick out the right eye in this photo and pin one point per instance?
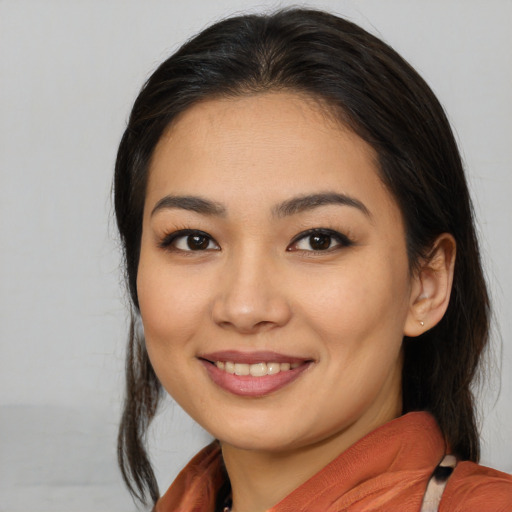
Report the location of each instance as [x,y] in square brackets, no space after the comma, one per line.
[189,240]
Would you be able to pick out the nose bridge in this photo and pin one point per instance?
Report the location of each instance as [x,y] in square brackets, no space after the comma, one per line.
[249,299]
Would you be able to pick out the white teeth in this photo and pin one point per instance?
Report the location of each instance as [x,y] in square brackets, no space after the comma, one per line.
[255,370]
[241,369]
[258,370]
[273,368]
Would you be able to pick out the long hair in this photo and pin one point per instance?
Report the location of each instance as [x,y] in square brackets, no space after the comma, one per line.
[378,95]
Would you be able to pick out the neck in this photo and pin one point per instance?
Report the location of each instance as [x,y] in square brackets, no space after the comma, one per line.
[261,479]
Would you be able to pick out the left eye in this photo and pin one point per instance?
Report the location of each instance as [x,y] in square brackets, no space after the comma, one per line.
[187,241]
[194,243]
[319,240]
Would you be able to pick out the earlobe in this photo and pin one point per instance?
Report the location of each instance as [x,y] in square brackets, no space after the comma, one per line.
[431,287]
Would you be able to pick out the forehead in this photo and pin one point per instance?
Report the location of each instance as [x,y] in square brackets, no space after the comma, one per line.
[282,119]
[263,147]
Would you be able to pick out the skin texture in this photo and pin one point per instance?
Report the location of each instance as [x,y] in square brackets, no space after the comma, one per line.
[254,286]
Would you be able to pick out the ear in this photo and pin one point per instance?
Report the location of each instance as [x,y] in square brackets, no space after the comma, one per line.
[431,287]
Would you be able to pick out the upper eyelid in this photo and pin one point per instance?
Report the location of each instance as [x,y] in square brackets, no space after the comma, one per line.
[169,238]
[324,231]
[342,239]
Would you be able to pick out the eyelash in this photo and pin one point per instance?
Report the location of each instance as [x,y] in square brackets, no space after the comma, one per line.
[341,240]
[169,240]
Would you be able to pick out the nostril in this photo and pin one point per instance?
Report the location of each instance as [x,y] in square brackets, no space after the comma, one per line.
[264,323]
[248,328]
[248,310]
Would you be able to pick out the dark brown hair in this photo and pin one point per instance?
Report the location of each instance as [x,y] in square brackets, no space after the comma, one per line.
[371,89]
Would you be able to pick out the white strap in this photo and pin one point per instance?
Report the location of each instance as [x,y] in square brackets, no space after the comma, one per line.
[437,483]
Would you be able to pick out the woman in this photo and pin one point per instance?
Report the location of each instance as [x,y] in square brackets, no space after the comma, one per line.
[300,249]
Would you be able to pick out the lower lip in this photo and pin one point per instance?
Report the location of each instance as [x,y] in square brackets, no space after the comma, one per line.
[247,385]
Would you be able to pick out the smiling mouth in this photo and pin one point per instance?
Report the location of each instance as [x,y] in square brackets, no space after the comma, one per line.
[254,370]
[253,375]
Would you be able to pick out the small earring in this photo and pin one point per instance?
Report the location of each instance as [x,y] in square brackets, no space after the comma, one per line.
[422,323]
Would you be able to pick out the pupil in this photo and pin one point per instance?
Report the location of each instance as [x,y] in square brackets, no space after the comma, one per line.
[320,242]
[197,242]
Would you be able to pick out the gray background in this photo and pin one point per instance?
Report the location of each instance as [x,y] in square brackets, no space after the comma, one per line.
[69,72]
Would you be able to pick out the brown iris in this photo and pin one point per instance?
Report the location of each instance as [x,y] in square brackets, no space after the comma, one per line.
[320,242]
[197,242]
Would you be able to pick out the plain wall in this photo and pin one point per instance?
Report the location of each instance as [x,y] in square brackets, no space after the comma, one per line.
[69,72]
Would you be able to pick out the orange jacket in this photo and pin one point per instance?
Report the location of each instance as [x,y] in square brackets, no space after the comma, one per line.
[387,470]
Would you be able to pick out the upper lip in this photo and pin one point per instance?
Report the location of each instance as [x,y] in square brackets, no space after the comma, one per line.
[264,356]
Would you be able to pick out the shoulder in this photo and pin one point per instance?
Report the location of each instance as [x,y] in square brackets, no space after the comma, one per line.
[195,488]
[477,488]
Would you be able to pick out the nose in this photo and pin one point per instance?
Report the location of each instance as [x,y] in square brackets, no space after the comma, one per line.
[250,298]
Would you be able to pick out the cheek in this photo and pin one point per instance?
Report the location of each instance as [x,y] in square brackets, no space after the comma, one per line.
[169,318]
[170,305]
[357,303]
[157,300]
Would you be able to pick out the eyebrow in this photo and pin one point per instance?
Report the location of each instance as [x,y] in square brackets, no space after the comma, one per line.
[290,207]
[190,203]
[310,202]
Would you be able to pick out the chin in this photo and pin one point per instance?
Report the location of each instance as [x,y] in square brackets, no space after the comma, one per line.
[258,443]
[271,437]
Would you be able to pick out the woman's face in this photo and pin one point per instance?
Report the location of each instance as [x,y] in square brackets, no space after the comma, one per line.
[271,248]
